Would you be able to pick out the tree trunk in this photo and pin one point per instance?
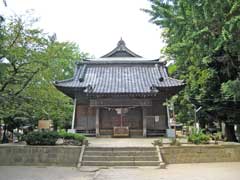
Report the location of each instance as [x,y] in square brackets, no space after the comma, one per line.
[5,137]
[230,132]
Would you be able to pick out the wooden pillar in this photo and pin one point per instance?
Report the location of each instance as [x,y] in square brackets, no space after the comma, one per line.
[74,112]
[144,123]
[97,122]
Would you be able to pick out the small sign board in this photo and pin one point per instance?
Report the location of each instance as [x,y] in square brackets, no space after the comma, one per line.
[44,124]
[170,133]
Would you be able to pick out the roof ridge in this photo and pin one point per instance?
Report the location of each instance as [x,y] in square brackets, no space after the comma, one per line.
[175,79]
[63,81]
[123,62]
[121,47]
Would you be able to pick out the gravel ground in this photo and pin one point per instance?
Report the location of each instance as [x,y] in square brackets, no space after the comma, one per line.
[202,171]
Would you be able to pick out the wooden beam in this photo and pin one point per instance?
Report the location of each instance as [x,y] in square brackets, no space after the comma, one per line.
[118,102]
[97,122]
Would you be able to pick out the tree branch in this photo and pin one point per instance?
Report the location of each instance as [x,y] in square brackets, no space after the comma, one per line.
[27,82]
[16,37]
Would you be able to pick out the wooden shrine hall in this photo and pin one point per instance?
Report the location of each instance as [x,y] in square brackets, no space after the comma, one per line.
[120,94]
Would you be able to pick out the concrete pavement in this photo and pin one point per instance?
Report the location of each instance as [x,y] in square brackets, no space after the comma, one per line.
[202,171]
[126,142]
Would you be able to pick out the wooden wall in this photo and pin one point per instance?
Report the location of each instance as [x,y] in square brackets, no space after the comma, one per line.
[85,117]
[157,109]
[132,119]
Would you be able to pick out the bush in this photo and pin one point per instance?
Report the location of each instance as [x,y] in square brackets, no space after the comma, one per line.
[41,138]
[73,136]
[198,137]
[20,137]
[217,137]
[50,138]
[175,142]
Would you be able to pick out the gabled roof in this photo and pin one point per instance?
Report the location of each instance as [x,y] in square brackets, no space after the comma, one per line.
[120,72]
[96,78]
[121,51]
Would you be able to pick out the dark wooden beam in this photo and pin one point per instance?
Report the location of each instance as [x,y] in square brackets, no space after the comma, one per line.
[120,102]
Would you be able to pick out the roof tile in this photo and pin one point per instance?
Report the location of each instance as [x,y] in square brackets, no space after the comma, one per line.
[121,78]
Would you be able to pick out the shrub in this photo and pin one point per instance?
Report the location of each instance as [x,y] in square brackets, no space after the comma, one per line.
[41,138]
[73,136]
[198,137]
[20,137]
[50,138]
[217,137]
[79,137]
[175,142]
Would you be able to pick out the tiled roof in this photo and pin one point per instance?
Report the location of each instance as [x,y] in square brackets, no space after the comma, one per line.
[120,77]
[119,72]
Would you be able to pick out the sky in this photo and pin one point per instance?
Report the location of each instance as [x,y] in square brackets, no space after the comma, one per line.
[95,25]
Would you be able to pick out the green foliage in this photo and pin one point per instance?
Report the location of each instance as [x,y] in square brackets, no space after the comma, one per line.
[73,136]
[175,142]
[36,60]
[202,37]
[230,90]
[217,137]
[172,69]
[198,137]
[20,136]
[50,137]
[41,138]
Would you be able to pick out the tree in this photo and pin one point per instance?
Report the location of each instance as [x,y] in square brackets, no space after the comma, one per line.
[49,102]
[202,37]
[22,46]
[35,59]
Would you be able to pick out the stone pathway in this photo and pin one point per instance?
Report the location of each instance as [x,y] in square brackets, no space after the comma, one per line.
[126,142]
[203,171]
[137,142]
[215,171]
[120,142]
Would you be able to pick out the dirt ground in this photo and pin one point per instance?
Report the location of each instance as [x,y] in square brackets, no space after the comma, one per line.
[202,171]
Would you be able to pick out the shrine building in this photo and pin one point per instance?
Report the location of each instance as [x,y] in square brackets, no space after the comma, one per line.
[120,94]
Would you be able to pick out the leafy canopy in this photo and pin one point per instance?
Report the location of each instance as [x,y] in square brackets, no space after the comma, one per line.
[35,60]
[202,37]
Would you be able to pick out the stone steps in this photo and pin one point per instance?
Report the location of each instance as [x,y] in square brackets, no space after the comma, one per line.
[120,163]
[120,153]
[120,156]
[121,149]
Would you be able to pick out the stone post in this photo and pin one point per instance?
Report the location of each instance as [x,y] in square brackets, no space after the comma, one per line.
[168,118]
[74,112]
[97,122]
[144,122]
